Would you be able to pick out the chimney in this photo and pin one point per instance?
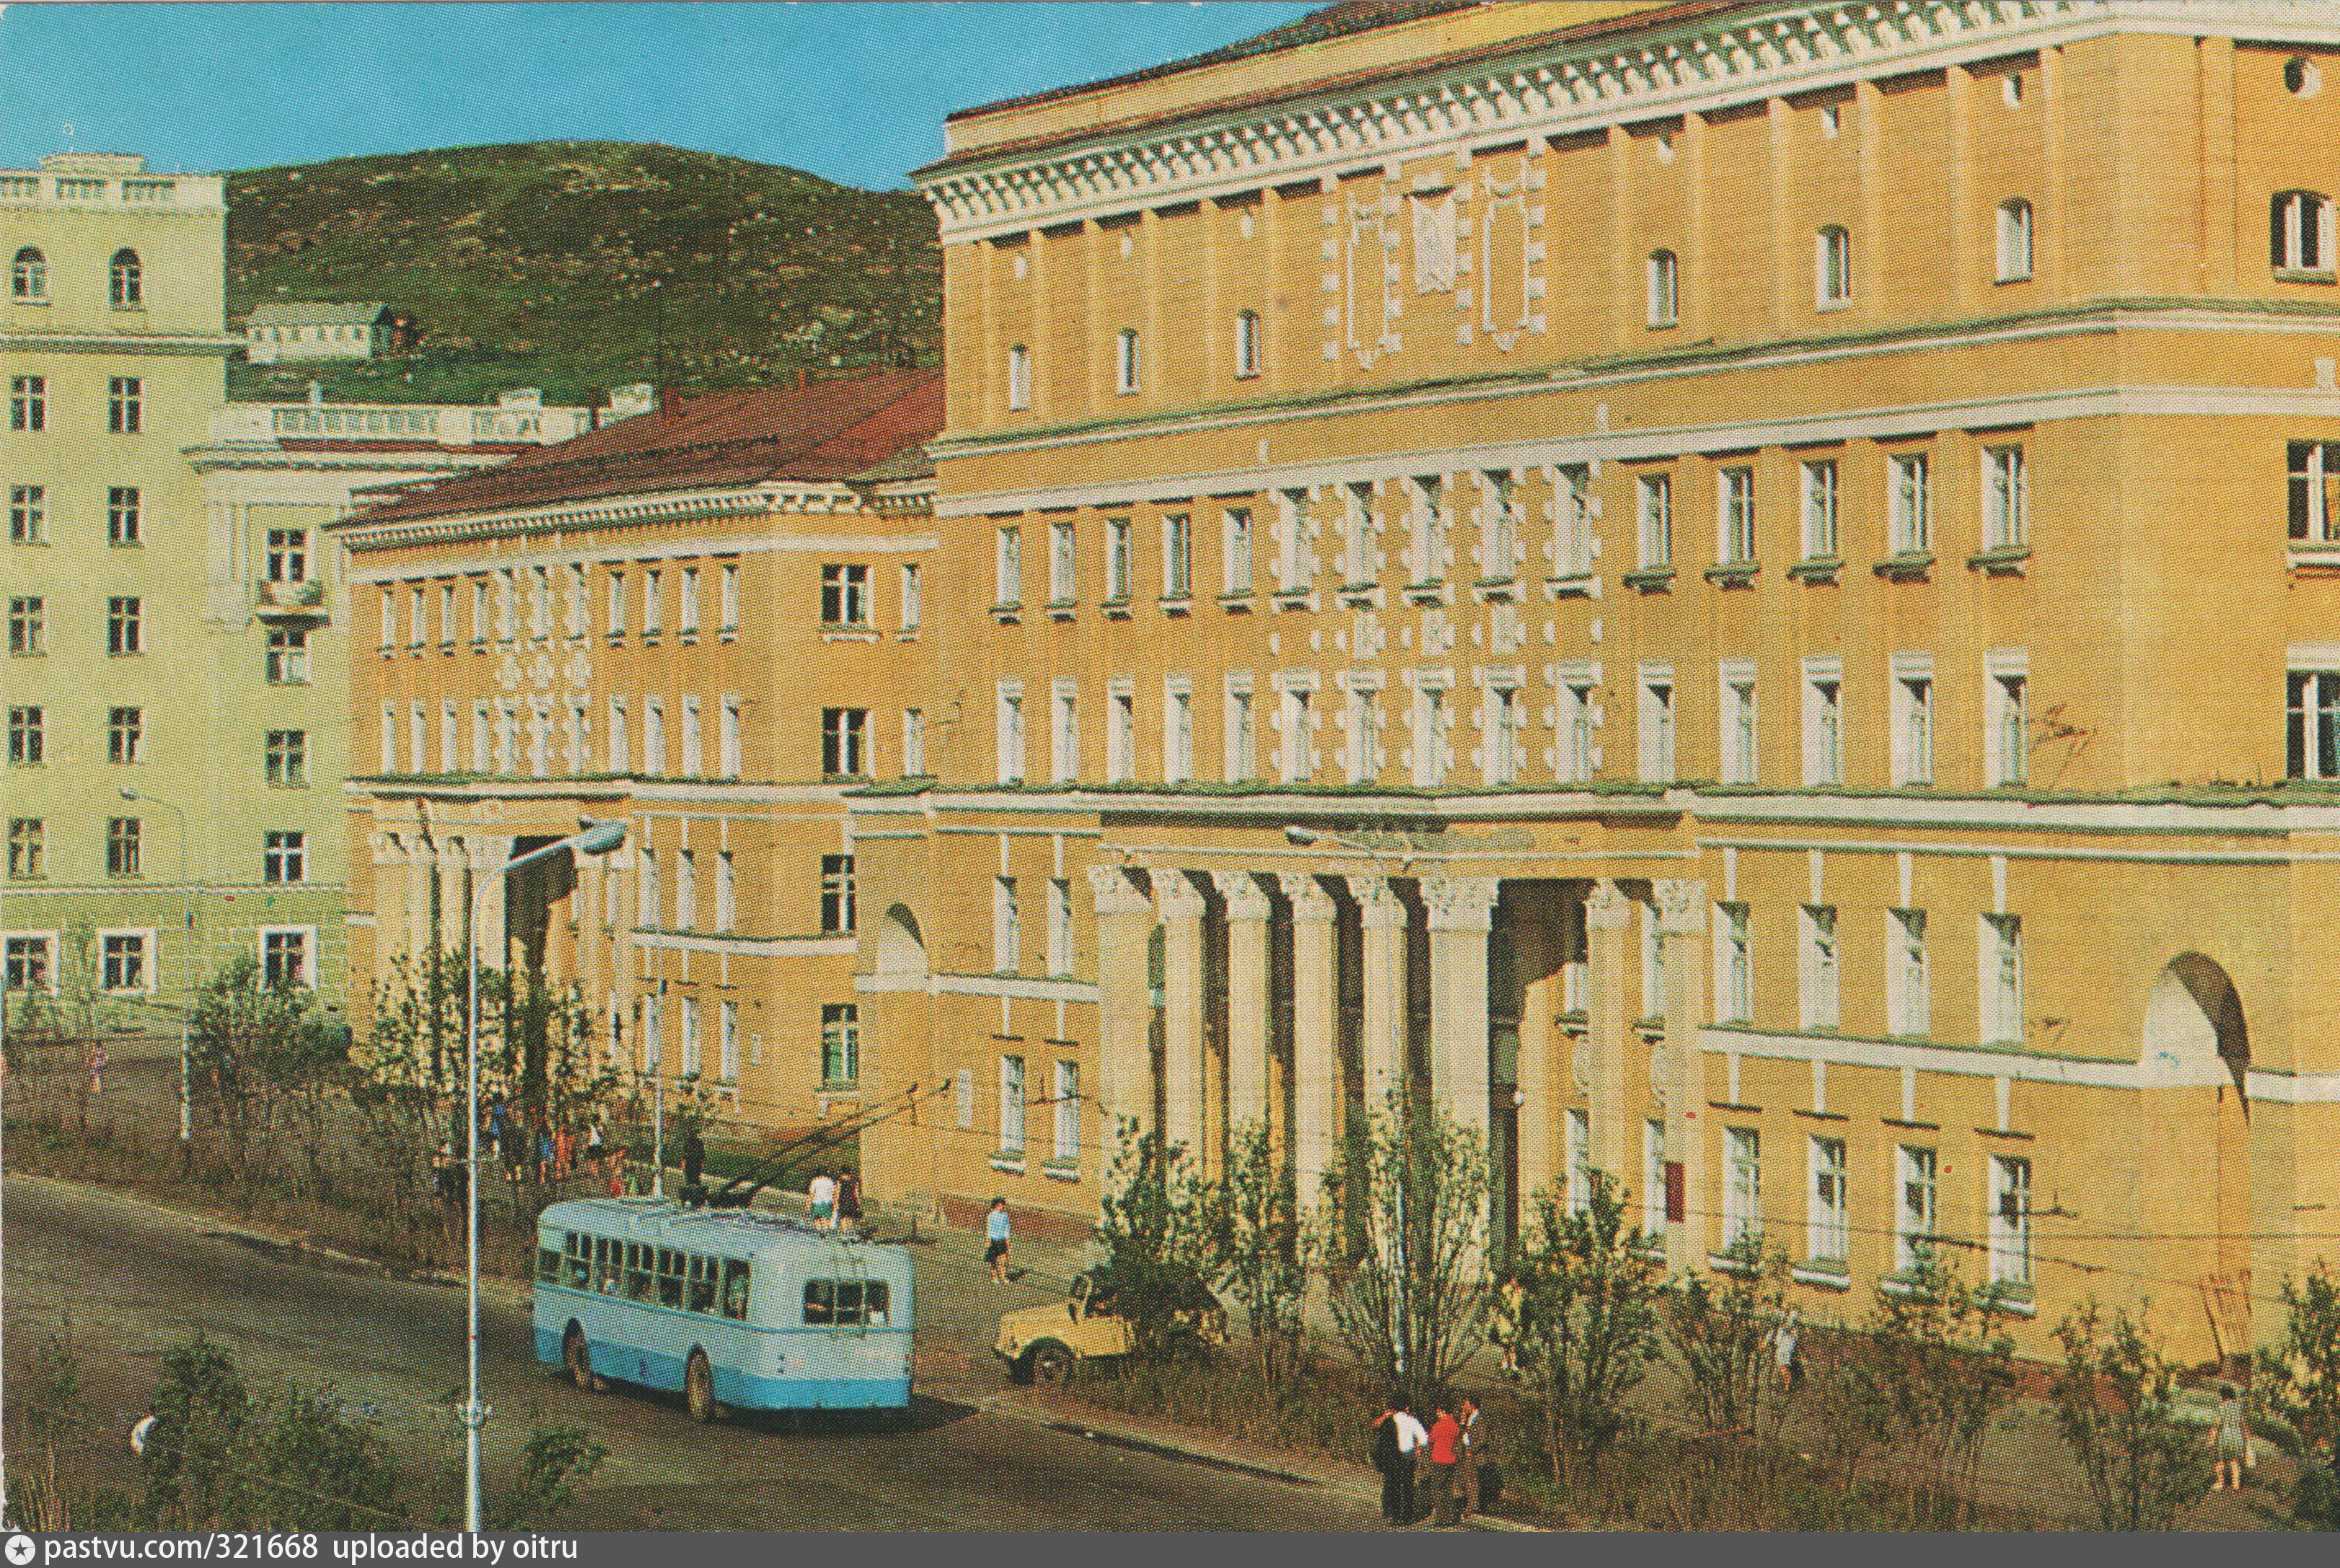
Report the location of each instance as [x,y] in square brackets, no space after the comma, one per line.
[670,403]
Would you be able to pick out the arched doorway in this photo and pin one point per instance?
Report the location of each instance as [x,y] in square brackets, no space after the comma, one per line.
[2196,1041]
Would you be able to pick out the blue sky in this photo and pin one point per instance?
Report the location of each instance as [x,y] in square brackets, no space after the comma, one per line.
[852,92]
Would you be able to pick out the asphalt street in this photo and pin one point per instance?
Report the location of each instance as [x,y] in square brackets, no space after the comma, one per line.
[136,1279]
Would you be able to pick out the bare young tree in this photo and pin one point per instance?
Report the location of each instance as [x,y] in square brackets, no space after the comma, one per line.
[1259,1248]
[2116,1402]
[1720,1336]
[1590,1288]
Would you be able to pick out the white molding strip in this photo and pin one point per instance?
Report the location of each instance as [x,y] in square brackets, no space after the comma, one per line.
[745,947]
[734,545]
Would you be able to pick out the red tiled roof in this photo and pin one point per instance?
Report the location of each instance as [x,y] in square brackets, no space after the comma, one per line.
[832,430]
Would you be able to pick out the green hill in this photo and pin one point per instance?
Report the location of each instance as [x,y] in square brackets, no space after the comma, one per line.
[532,264]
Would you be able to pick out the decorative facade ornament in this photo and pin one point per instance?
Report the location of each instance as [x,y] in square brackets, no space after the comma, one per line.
[1244,898]
[1682,907]
[1606,908]
[1378,905]
[1308,898]
[1175,895]
[1116,894]
[1434,242]
[1460,903]
[1660,1073]
[1580,1065]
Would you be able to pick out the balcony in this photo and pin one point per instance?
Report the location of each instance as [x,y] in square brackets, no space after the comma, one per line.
[277,600]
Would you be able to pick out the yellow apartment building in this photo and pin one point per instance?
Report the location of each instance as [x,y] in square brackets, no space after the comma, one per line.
[1748,594]
[702,621]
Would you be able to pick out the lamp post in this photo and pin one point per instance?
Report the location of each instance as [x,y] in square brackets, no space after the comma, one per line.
[591,838]
[187,936]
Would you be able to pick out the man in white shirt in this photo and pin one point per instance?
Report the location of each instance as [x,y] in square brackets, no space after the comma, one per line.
[823,1194]
[1412,1448]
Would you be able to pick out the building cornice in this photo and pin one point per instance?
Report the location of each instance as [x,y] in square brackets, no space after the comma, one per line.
[1554,85]
[183,345]
[730,544]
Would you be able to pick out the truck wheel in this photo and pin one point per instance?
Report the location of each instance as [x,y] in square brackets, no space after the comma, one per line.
[1051,1364]
[698,1387]
[577,1360]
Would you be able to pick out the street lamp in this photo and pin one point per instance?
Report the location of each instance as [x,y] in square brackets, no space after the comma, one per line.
[187,935]
[591,838]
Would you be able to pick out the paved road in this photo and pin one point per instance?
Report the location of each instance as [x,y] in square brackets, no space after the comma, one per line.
[136,1279]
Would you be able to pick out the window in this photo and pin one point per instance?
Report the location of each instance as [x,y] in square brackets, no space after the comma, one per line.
[1125,361]
[122,846]
[910,605]
[1009,566]
[617,603]
[1365,735]
[1362,566]
[1823,723]
[1833,268]
[125,736]
[691,1068]
[1178,736]
[29,278]
[1736,989]
[726,892]
[1657,724]
[1010,741]
[2004,694]
[1294,568]
[28,514]
[451,756]
[2311,734]
[121,510]
[447,616]
[28,403]
[285,859]
[126,404]
[27,625]
[1429,737]
[1011,1105]
[1177,557]
[1657,513]
[121,625]
[1019,377]
[288,656]
[1913,721]
[124,960]
[686,898]
[1579,757]
[1066,1102]
[1062,585]
[24,737]
[1664,289]
[1117,587]
[28,964]
[646,888]
[694,756]
[540,603]
[653,736]
[125,281]
[1828,1220]
[1507,726]
[1739,734]
[417,628]
[837,893]
[653,606]
[913,742]
[727,737]
[1819,509]
[1819,986]
[844,738]
[284,959]
[1908,1002]
[1064,734]
[1247,346]
[1734,507]
[1297,753]
[2003,498]
[1429,529]
[2014,239]
[1572,549]
[1006,944]
[1060,926]
[729,1045]
[1916,1171]
[840,1043]
[1502,529]
[1243,739]
[1580,1160]
[572,605]
[1121,738]
[25,842]
[844,596]
[2010,1221]
[2002,979]
[389,749]
[2300,232]
[1742,1186]
[1911,529]
[1236,533]
[2314,509]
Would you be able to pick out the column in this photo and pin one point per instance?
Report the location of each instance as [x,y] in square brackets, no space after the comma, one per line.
[592,977]
[1682,930]
[1316,1073]
[1180,904]
[1460,913]
[1125,1087]
[1381,916]
[488,852]
[1535,950]
[418,855]
[1609,1025]
[1248,1068]
[388,902]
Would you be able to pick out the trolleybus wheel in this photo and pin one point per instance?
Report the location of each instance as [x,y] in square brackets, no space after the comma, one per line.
[1051,1365]
[698,1387]
[577,1359]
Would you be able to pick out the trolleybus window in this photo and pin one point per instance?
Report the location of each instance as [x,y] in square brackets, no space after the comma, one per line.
[735,1289]
[639,1259]
[702,1284]
[669,1271]
[605,1265]
[580,1261]
[844,1301]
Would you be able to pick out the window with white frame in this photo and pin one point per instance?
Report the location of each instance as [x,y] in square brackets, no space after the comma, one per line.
[844,740]
[482,753]
[2010,1221]
[1823,721]
[27,625]
[1235,531]
[1579,1159]
[1662,277]
[1292,566]
[1654,962]
[1060,926]
[914,743]
[1010,737]
[123,510]
[1242,735]
[840,895]
[1827,1216]
[123,959]
[911,607]
[618,741]
[2300,232]
[694,749]
[727,737]
[1360,568]
[653,602]
[446,616]
[2311,724]
[1125,361]
[1740,758]
[1656,729]
[690,1056]
[284,858]
[2007,678]
[418,740]
[646,887]
[1005,943]
[1820,983]
[1065,1144]
[653,736]
[1297,754]
[1011,1107]
[1121,737]
[539,740]
[1734,516]
[539,603]
[686,890]
[653,1033]
[728,600]
[1916,1217]
[1653,1178]
[1500,526]
[574,601]
[1907,504]
[1573,519]
[1007,566]
[1429,529]
[2014,236]
[1429,737]
[1247,345]
[1064,733]
[1735,986]
[726,891]
[479,610]
[388,628]
[2001,969]
[1177,733]
[1831,268]
[840,1044]
[126,404]
[1019,377]
[730,1013]
[30,965]
[615,606]
[1819,508]
[28,514]
[1577,753]
[286,957]
[1908,1004]
[1506,732]
[1117,584]
[388,757]
[2004,498]
[844,596]
[1061,564]
[1365,733]
[1177,556]
[1742,1187]
[2315,491]
[29,278]
[1656,492]
[1912,719]
[28,403]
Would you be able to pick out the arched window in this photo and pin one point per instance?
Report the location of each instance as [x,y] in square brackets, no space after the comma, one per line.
[29,279]
[2014,239]
[128,290]
[1664,280]
[1246,344]
[2299,224]
[1832,268]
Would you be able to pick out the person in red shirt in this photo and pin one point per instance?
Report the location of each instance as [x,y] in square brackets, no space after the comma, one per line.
[1444,1463]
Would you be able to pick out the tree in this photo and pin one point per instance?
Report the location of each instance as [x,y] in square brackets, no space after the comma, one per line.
[194,1459]
[555,1460]
[1405,1240]
[1259,1248]
[2116,1402]
[1157,1242]
[2299,1383]
[256,1045]
[1929,1373]
[1720,1334]
[1590,1289]
[323,1470]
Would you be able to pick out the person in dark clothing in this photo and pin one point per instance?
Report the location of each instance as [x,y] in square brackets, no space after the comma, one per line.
[694,1161]
[848,1201]
[1398,1444]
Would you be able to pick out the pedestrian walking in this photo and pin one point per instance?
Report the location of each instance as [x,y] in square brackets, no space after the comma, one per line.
[1510,1322]
[544,1155]
[97,1068]
[1467,1452]
[694,1161]
[848,1201]
[617,1172]
[497,1123]
[822,1196]
[596,1148]
[1445,1497]
[1786,1335]
[2233,1438]
[995,1243]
